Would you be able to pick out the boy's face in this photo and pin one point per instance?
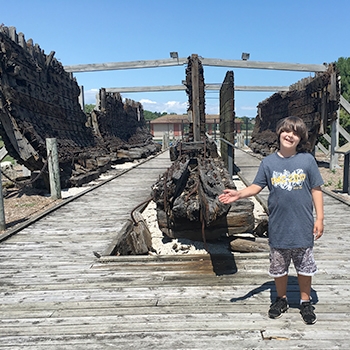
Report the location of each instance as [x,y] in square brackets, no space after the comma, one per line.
[289,140]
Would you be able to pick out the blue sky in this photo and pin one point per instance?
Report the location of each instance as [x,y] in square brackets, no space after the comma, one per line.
[84,31]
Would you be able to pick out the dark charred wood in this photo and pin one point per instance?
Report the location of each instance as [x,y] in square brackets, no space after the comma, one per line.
[262,229]
[136,238]
[249,246]
[239,219]
[187,199]
[39,100]
[205,149]
[305,99]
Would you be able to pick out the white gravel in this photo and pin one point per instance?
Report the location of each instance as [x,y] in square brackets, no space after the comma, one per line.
[70,192]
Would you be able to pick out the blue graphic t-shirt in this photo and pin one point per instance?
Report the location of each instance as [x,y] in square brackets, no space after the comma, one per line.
[290,181]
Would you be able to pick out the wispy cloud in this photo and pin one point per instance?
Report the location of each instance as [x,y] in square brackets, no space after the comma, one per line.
[148,102]
[90,96]
[248,111]
[168,107]
[178,107]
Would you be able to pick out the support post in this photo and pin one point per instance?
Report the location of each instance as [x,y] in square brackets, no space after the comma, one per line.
[2,209]
[346,180]
[230,159]
[345,149]
[333,96]
[165,142]
[334,143]
[102,99]
[230,154]
[54,170]
[215,127]
[246,133]
[195,99]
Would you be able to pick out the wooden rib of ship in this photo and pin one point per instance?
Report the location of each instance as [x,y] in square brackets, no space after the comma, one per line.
[40,100]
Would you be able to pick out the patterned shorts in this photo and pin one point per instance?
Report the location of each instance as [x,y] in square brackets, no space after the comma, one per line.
[303,260]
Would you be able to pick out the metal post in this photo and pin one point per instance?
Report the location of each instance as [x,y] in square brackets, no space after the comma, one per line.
[2,210]
[215,127]
[54,170]
[334,143]
[246,132]
[182,129]
[230,159]
[346,180]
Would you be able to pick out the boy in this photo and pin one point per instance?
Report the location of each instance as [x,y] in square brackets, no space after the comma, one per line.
[294,181]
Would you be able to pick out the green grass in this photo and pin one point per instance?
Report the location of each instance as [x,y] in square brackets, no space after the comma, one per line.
[7,158]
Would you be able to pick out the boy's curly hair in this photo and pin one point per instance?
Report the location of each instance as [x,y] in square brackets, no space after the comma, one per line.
[296,125]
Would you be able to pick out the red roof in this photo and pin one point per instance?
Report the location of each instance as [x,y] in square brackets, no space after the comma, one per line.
[183,118]
[170,118]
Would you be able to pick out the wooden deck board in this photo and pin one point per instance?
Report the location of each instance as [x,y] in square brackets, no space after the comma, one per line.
[55,294]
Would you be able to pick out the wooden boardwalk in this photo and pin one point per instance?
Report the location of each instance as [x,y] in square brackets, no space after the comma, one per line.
[55,294]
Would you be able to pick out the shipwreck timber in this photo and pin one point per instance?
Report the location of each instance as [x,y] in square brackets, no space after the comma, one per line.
[314,99]
[40,100]
[187,201]
[187,194]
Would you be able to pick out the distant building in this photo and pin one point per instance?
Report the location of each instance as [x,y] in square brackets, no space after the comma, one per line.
[176,125]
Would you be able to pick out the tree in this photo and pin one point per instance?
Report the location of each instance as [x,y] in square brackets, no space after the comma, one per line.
[246,122]
[343,67]
[152,115]
[88,108]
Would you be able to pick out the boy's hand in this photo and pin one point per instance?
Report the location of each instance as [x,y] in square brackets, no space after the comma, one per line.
[318,229]
[229,196]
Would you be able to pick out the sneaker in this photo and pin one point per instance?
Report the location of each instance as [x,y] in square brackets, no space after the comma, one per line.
[278,307]
[307,313]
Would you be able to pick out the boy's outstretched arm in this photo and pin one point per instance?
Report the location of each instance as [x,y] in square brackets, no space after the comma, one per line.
[317,197]
[230,196]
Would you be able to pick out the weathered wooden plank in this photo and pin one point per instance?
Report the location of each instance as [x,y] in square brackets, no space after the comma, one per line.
[161,283]
[54,293]
[263,65]
[177,323]
[105,309]
[124,65]
[156,325]
[183,87]
[172,297]
[162,340]
[205,61]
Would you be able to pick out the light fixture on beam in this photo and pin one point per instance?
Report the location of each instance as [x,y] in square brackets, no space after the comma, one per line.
[174,55]
[245,56]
